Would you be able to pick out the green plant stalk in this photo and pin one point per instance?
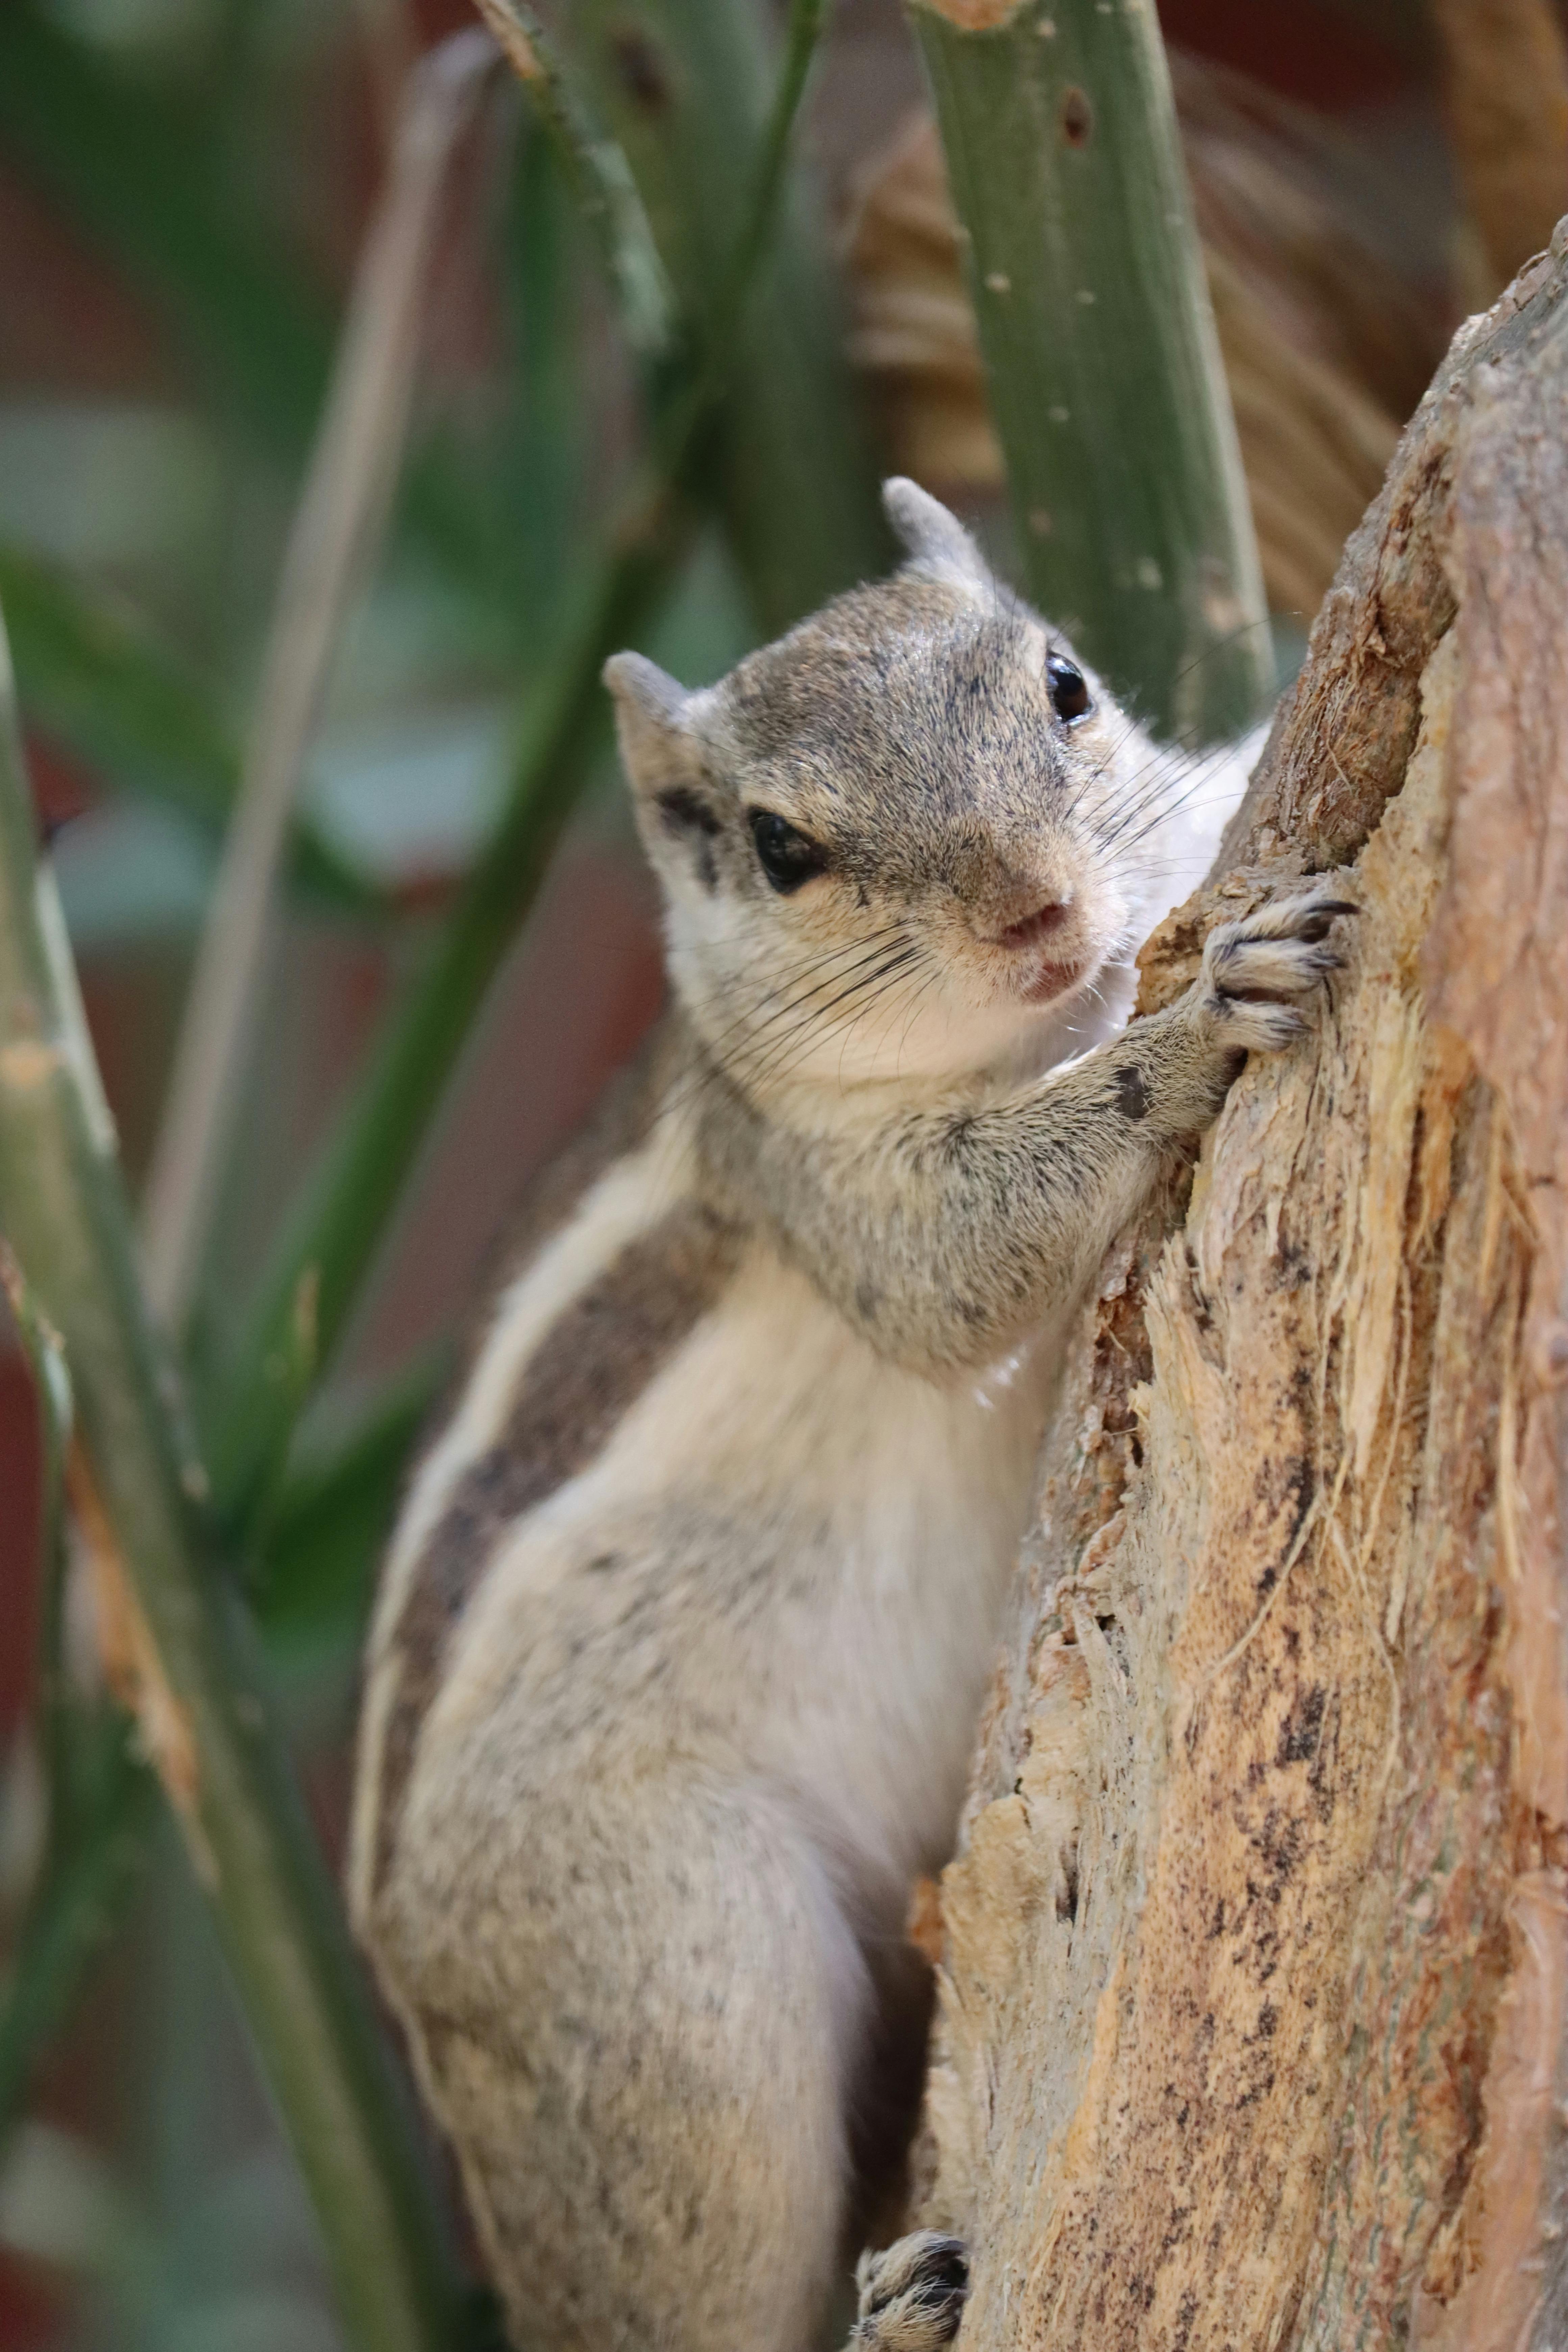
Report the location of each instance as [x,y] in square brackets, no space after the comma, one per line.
[52,1389]
[598,174]
[687,89]
[1106,388]
[337,1227]
[801,34]
[543,438]
[63,1208]
[99,1798]
[319,1560]
[338,1224]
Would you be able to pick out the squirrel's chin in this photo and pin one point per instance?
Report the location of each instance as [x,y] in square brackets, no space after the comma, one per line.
[1049,981]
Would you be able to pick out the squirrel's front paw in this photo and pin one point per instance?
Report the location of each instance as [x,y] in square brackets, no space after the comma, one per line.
[911,2297]
[1254,970]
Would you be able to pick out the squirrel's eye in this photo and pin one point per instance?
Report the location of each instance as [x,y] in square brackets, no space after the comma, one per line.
[1068,688]
[787,856]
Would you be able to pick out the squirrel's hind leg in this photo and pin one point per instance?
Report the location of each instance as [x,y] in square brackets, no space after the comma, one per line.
[643,2055]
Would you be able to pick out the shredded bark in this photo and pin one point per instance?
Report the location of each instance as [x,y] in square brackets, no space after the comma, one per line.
[1254,1973]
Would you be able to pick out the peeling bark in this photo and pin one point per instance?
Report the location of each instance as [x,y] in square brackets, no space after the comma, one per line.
[1255,1956]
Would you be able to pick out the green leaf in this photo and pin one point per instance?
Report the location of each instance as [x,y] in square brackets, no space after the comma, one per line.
[141,176]
[599,177]
[337,1224]
[689,89]
[97,678]
[542,452]
[334,1517]
[92,674]
[145,177]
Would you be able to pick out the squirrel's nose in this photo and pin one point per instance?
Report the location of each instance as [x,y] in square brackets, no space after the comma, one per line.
[1032,928]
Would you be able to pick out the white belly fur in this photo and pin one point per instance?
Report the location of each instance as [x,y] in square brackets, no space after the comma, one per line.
[821,1543]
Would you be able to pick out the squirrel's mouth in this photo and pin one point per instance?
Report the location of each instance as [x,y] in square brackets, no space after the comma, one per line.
[1044,959]
[1049,980]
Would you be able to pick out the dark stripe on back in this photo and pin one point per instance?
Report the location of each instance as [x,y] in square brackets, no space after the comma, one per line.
[582,1379]
[621,1120]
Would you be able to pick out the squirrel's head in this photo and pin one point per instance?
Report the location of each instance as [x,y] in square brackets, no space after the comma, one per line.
[899,840]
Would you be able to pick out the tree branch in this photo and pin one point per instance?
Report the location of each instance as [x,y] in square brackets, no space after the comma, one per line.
[1254,1977]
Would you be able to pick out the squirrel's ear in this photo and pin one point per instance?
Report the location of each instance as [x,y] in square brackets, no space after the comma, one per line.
[937,542]
[673,804]
[647,719]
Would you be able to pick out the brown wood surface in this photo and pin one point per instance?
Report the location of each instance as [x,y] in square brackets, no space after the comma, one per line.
[1255,1957]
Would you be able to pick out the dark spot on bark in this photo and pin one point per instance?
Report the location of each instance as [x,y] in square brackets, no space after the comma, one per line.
[1279,1844]
[1303,1728]
[1321,1773]
[1295,1473]
[1133,1096]
[1176,2227]
[1293,1267]
[1067,1891]
[1077,118]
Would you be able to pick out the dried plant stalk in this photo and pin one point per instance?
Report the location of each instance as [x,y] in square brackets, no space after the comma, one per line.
[1505,85]
[337,530]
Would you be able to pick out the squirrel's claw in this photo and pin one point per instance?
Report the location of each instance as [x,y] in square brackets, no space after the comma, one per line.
[912,2296]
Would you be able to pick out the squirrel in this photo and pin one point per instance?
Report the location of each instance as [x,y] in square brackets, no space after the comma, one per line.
[682,1636]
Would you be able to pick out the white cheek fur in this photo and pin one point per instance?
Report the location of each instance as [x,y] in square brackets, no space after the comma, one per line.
[766,993]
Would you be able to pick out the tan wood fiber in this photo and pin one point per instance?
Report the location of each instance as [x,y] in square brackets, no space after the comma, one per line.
[1254,1956]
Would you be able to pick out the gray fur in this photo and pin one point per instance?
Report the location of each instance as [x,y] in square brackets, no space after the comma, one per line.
[683,1633]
